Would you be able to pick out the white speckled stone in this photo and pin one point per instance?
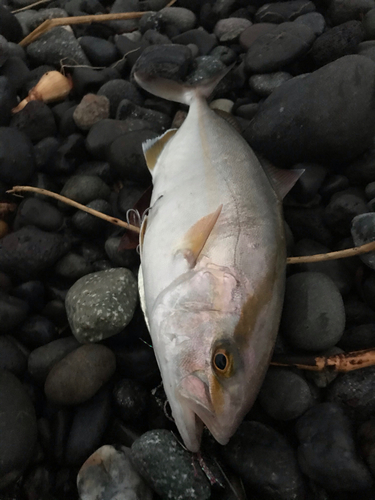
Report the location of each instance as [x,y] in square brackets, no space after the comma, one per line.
[101,304]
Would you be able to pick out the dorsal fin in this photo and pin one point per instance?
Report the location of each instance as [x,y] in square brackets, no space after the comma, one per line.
[194,240]
[152,148]
[282,180]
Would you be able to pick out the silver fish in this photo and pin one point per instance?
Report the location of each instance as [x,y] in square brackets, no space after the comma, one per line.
[212,265]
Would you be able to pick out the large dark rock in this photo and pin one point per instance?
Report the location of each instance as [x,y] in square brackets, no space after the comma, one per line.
[326,115]
[16,156]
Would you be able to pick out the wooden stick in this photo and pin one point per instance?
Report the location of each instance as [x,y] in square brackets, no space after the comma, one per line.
[340,254]
[343,362]
[96,18]
[91,211]
[35,4]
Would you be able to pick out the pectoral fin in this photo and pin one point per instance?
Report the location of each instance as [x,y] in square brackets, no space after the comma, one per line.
[152,148]
[196,237]
[282,180]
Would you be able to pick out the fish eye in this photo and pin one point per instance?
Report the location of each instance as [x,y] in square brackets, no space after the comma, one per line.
[221,361]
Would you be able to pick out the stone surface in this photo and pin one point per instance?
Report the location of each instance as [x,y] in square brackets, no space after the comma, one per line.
[117,90]
[85,188]
[101,304]
[13,357]
[91,110]
[33,211]
[280,12]
[363,231]
[16,157]
[13,312]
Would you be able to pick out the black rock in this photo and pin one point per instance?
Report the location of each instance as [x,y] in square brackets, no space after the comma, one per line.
[279,47]
[200,37]
[18,428]
[342,208]
[88,80]
[313,317]
[100,52]
[12,357]
[362,170]
[89,224]
[283,11]
[85,188]
[308,126]
[28,251]
[138,362]
[73,266]
[39,482]
[100,169]
[132,401]
[369,24]
[358,337]
[333,184]
[118,256]
[168,61]
[265,462]
[264,85]
[33,293]
[314,20]
[132,47]
[168,468]
[36,120]
[156,120]
[363,231]
[128,197]
[116,91]
[42,214]
[285,395]
[225,54]
[56,45]
[37,331]
[88,426]
[16,157]
[13,312]
[366,437]
[42,359]
[337,42]
[345,10]
[44,152]
[16,71]
[357,312]
[327,453]
[127,159]
[8,100]
[10,28]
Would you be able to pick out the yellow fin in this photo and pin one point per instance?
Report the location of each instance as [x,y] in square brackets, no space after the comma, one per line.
[152,148]
[196,237]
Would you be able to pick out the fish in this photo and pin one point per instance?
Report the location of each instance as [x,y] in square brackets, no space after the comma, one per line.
[213,260]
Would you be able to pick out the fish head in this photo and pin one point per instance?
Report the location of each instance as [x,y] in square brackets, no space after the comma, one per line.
[210,373]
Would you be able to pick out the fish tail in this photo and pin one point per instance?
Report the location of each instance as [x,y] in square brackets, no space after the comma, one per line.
[178,92]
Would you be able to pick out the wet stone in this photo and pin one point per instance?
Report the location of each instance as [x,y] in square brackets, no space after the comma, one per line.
[283,11]
[18,428]
[101,304]
[42,214]
[55,45]
[313,317]
[327,452]
[109,473]
[264,85]
[204,68]
[91,110]
[13,312]
[79,375]
[285,395]
[265,462]
[363,231]
[16,157]
[168,468]
[117,90]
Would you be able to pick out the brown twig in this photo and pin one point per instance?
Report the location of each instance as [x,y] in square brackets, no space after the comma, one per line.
[343,362]
[95,213]
[35,4]
[340,254]
[96,18]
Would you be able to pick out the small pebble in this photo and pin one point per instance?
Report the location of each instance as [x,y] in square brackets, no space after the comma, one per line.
[17,159]
[363,231]
[283,11]
[117,90]
[91,110]
[229,30]
[132,401]
[85,188]
[91,225]
[313,20]
[100,52]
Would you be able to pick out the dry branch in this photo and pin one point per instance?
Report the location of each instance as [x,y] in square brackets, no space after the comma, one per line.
[340,254]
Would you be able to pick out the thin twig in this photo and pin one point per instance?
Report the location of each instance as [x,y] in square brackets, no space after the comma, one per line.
[343,362]
[340,254]
[35,4]
[95,213]
[95,18]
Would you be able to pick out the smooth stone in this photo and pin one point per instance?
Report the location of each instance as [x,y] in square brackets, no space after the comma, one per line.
[230,29]
[363,231]
[8,100]
[200,38]
[314,20]
[127,159]
[124,25]
[45,14]
[341,11]
[44,152]
[358,337]
[91,110]
[85,188]
[128,109]
[342,208]
[283,11]
[357,311]
[283,45]
[100,169]
[333,184]
[225,54]
[180,18]
[10,28]
[56,45]
[313,317]
[73,266]
[247,111]
[39,213]
[369,24]
[337,42]
[117,90]
[362,169]
[250,34]
[285,395]
[168,468]
[131,400]
[36,120]
[118,256]
[79,375]
[89,224]
[101,304]
[29,251]
[334,269]
[327,452]
[18,428]
[264,85]
[39,482]
[110,473]
[13,312]
[168,61]
[12,356]
[291,127]
[36,331]
[354,391]
[100,52]
[16,71]
[265,462]
[42,359]
[89,80]
[88,426]
[16,157]
[366,437]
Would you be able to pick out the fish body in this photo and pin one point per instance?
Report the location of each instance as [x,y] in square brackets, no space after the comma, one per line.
[212,274]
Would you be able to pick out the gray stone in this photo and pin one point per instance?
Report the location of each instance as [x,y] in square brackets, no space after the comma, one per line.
[342,208]
[73,266]
[363,231]
[44,14]
[4,50]
[367,49]
[199,37]
[90,224]
[79,375]
[341,11]
[91,110]
[117,90]
[313,316]
[85,188]
[109,473]
[13,312]
[314,20]
[180,18]
[264,85]
[101,304]
[279,47]
[205,67]
[369,24]
[33,211]
[55,46]
[16,156]
[168,467]
[281,12]
[229,30]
